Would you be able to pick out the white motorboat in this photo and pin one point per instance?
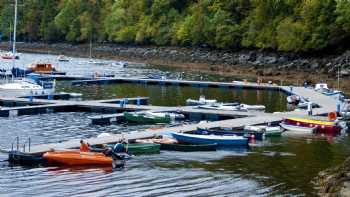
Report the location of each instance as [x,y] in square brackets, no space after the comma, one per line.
[322,87]
[218,106]
[120,64]
[165,114]
[63,58]
[22,88]
[252,107]
[298,128]
[200,101]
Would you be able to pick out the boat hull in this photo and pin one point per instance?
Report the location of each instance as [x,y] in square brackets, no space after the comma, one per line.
[76,158]
[248,134]
[321,127]
[211,139]
[187,147]
[143,119]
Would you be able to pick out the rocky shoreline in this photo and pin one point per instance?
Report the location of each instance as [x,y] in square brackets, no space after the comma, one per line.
[334,182]
[291,68]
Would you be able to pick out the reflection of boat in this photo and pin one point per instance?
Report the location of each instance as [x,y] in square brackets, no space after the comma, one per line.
[73,158]
[200,101]
[317,126]
[45,68]
[145,118]
[220,140]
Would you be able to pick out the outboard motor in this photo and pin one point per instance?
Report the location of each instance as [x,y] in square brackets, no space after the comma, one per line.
[118,160]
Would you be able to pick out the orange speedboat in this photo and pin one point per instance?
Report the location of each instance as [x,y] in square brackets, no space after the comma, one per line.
[74,158]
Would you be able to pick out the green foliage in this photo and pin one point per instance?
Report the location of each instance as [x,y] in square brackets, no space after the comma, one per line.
[286,25]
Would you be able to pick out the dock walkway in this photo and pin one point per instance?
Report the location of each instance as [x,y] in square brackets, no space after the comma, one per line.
[235,119]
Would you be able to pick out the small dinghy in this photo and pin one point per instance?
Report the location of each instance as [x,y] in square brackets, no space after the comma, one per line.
[211,139]
[173,116]
[251,107]
[267,130]
[200,101]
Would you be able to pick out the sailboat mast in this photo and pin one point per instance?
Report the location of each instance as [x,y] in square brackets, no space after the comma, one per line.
[14,37]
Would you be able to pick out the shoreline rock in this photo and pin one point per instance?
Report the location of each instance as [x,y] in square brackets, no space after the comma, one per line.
[257,59]
[334,182]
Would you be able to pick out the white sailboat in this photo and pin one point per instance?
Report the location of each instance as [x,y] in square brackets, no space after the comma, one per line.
[23,87]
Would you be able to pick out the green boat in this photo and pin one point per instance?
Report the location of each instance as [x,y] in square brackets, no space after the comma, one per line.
[143,148]
[144,118]
[273,132]
[134,148]
[188,147]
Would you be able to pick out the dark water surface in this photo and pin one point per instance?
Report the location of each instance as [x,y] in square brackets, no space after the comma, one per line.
[277,166]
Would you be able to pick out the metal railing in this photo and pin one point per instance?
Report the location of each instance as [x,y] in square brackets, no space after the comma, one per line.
[16,143]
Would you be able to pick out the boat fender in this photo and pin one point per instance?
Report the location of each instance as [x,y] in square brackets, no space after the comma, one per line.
[332,116]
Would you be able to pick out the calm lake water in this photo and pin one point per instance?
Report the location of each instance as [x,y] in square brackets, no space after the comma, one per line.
[277,166]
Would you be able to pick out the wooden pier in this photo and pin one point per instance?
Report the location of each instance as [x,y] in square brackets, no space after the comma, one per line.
[232,119]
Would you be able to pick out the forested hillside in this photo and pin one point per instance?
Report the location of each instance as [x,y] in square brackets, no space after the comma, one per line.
[285,25]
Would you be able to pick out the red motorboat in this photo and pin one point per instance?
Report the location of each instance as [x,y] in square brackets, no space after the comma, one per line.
[321,127]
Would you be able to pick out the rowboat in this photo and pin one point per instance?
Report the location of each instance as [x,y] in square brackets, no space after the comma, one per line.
[267,130]
[233,140]
[173,145]
[325,127]
[133,148]
[74,158]
[257,135]
[144,118]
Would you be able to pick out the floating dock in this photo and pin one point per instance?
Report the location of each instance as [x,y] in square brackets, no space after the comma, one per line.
[232,119]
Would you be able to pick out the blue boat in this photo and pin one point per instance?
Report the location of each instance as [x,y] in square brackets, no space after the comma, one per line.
[220,131]
[220,140]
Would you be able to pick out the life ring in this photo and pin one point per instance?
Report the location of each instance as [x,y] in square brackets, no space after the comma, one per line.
[332,116]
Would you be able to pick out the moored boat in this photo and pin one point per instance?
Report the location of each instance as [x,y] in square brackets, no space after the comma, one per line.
[63,58]
[133,148]
[166,114]
[9,56]
[201,101]
[174,145]
[74,158]
[269,131]
[144,118]
[44,68]
[233,140]
[256,135]
[251,107]
[324,127]
[302,129]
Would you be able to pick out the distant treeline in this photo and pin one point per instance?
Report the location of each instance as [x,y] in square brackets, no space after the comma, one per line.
[284,25]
